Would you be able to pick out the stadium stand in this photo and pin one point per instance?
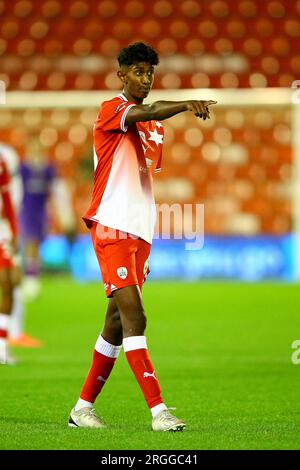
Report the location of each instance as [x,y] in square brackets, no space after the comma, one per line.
[239,163]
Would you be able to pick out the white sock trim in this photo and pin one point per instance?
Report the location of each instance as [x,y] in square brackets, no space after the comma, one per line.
[3,351]
[4,321]
[157,409]
[134,342]
[17,314]
[83,404]
[106,348]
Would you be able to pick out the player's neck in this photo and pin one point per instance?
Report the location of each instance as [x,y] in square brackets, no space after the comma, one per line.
[131,98]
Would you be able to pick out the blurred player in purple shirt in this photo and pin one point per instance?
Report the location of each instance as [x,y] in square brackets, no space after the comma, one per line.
[38,177]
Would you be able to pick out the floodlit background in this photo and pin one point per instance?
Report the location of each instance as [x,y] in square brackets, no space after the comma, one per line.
[223,349]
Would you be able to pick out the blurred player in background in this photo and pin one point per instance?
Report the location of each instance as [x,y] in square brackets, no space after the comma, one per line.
[128,138]
[37,177]
[7,251]
[40,183]
[17,337]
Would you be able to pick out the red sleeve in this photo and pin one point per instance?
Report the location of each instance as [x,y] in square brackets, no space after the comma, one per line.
[8,210]
[4,175]
[112,115]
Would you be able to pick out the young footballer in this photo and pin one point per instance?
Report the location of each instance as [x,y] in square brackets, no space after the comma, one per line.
[128,140]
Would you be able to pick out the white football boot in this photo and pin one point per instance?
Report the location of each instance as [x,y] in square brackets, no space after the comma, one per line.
[85,418]
[165,421]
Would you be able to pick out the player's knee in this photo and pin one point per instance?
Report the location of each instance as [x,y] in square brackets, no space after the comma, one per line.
[141,320]
[115,321]
[135,323]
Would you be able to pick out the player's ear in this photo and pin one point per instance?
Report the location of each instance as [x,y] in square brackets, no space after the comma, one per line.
[122,76]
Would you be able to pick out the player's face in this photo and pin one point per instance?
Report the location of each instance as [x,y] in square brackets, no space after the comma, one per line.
[35,154]
[138,80]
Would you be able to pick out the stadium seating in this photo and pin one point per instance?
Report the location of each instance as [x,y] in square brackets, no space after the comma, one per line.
[239,163]
[220,43]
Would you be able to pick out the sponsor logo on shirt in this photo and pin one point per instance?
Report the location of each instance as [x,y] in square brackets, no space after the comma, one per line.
[119,107]
[122,272]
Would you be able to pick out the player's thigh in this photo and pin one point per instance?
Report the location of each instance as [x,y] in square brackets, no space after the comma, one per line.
[6,283]
[112,313]
[130,304]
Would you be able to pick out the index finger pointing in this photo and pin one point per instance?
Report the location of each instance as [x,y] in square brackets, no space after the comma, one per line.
[210,102]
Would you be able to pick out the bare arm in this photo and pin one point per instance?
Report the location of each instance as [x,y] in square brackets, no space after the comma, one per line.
[161,110]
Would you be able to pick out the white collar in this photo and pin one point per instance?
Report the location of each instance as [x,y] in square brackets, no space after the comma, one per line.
[121,95]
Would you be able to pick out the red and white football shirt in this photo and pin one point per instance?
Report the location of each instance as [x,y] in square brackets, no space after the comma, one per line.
[125,159]
[6,208]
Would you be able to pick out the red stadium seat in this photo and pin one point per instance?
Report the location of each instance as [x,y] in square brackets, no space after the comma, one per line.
[51,9]
[79,9]
[134,9]
[163,8]
[23,8]
[107,8]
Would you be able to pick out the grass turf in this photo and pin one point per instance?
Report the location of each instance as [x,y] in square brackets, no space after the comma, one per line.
[222,353]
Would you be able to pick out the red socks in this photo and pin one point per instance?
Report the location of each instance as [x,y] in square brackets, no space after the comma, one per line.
[135,348]
[98,374]
[104,358]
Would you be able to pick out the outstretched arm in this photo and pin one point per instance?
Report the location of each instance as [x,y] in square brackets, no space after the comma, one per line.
[161,110]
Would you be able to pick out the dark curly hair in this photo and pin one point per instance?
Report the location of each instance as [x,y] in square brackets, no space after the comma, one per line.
[138,52]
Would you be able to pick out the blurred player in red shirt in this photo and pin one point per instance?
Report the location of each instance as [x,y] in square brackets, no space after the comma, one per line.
[128,138]
[6,260]
[17,336]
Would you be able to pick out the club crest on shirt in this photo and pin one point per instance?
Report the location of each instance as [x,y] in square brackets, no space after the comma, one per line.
[122,272]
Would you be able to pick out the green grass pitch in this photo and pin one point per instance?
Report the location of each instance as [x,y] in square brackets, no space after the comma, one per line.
[222,352]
